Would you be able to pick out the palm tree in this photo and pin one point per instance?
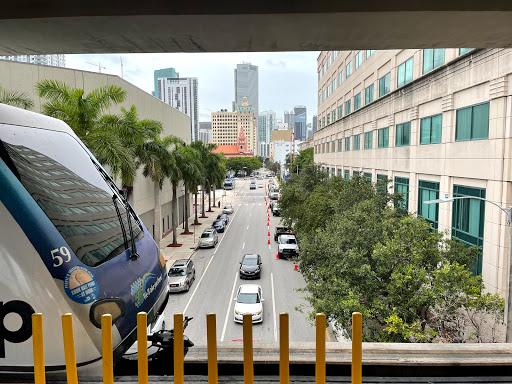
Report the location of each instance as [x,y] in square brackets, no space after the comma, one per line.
[15,99]
[191,172]
[175,175]
[157,161]
[202,151]
[215,172]
[85,115]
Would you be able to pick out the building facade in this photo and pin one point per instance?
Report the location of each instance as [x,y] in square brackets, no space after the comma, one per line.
[246,85]
[169,73]
[266,124]
[205,131]
[182,94]
[289,118]
[314,121]
[436,123]
[227,126]
[300,121]
[51,60]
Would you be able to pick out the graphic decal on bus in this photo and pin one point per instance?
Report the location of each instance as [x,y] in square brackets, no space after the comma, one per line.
[80,285]
[141,291]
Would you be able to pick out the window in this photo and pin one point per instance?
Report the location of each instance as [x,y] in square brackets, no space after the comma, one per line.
[368,95]
[368,176]
[333,171]
[329,59]
[340,77]
[347,144]
[340,111]
[468,220]
[329,90]
[347,174]
[357,101]
[385,84]
[355,173]
[402,187]
[349,69]
[340,145]
[472,123]
[430,129]
[334,85]
[328,118]
[323,147]
[403,135]
[334,54]
[339,172]
[333,113]
[383,140]
[428,190]
[382,183]
[333,146]
[432,58]
[359,59]
[324,95]
[347,107]
[464,50]
[368,140]
[357,142]
[319,99]
[325,68]
[404,75]
[369,52]
[319,75]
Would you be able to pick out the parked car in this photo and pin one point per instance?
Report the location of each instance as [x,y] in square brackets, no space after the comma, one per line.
[228,209]
[224,218]
[287,247]
[219,226]
[274,195]
[209,238]
[280,231]
[181,275]
[275,209]
[250,266]
[249,300]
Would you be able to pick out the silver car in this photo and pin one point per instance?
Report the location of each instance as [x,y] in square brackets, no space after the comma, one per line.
[228,209]
[181,275]
[209,238]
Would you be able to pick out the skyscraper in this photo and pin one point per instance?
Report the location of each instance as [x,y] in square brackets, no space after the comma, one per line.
[53,60]
[181,93]
[246,85]
[266,124]
[165,72]
[315,122]
[300,122]
[289,118]
[205,131]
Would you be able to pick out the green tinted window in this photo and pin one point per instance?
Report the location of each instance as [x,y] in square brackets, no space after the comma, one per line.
[403,134]
[472,123]
[383,139]
[385,85]
[357,142]
[430,129]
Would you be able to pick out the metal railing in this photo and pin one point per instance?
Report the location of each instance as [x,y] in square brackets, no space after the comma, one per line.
[107,351]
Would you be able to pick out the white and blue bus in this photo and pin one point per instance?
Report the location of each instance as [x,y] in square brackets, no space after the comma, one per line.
[229,184]
[69,243]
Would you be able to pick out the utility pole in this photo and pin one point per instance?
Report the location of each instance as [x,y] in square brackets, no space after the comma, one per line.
[97,65]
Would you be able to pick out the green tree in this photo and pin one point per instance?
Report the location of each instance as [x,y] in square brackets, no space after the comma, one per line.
[303,159]
[85,114]
[15,99]
[192,171]
[360,254]
[239,164]
[175,174]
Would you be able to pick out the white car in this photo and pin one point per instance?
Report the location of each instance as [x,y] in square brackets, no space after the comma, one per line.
[228,209]
[249,300]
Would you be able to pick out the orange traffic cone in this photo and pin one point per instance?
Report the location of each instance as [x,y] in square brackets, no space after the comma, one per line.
[269,244]
[277,256]
[268,233]
[295,267]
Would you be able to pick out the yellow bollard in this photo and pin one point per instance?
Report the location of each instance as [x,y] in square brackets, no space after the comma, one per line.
[107,350]
[69,348]
[38,346]
[320,349]
[248,357]
[142,347]
[357,348]
[211,336]
[178,348]
[284,349]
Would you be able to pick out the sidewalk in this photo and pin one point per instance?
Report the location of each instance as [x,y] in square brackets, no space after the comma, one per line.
[188,246]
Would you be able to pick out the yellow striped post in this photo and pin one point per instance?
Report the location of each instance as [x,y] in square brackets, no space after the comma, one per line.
[142,347]
[211,336]
[284,349]
[248,357]
[178,348]
[320,349]
[107,350]
[357,348]
[69,348]
[38,346]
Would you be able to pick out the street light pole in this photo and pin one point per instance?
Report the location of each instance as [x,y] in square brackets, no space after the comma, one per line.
[508,301]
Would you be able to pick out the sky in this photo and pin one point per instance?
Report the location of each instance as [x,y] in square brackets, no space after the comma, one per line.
[286,79]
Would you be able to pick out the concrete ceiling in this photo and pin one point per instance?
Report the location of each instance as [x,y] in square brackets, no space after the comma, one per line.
[103,26]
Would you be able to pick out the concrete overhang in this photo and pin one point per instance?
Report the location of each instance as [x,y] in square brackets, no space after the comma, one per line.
[96,26]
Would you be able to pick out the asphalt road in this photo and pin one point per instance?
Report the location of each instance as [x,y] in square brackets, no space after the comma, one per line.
[217,277]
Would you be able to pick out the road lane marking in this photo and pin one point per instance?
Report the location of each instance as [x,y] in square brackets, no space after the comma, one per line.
[269,247]
[229,307]
[243,245]
[274,306]
[247,227]
[206,269]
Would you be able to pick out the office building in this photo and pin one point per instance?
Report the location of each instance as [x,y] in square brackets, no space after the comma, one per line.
[205,131]
[314,126]
[182,94]
[169,73]
[289,118]
[246,85]
[266,124]
[235,132]
[309,131]
[51,60]
[436,123]
[300,119]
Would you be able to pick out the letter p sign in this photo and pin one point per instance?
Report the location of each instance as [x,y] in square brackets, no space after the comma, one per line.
[25,311]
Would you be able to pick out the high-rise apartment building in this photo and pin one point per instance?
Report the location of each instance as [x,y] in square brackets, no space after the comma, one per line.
[205,131]
[266,124]
[300,121]
[289,118]
[436,123]
[182,93]
[169,73]
[246,85]
[228,127]
[52,60]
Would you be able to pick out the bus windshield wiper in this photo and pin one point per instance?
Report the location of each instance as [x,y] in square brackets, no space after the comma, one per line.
[114,199]
[134,254]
